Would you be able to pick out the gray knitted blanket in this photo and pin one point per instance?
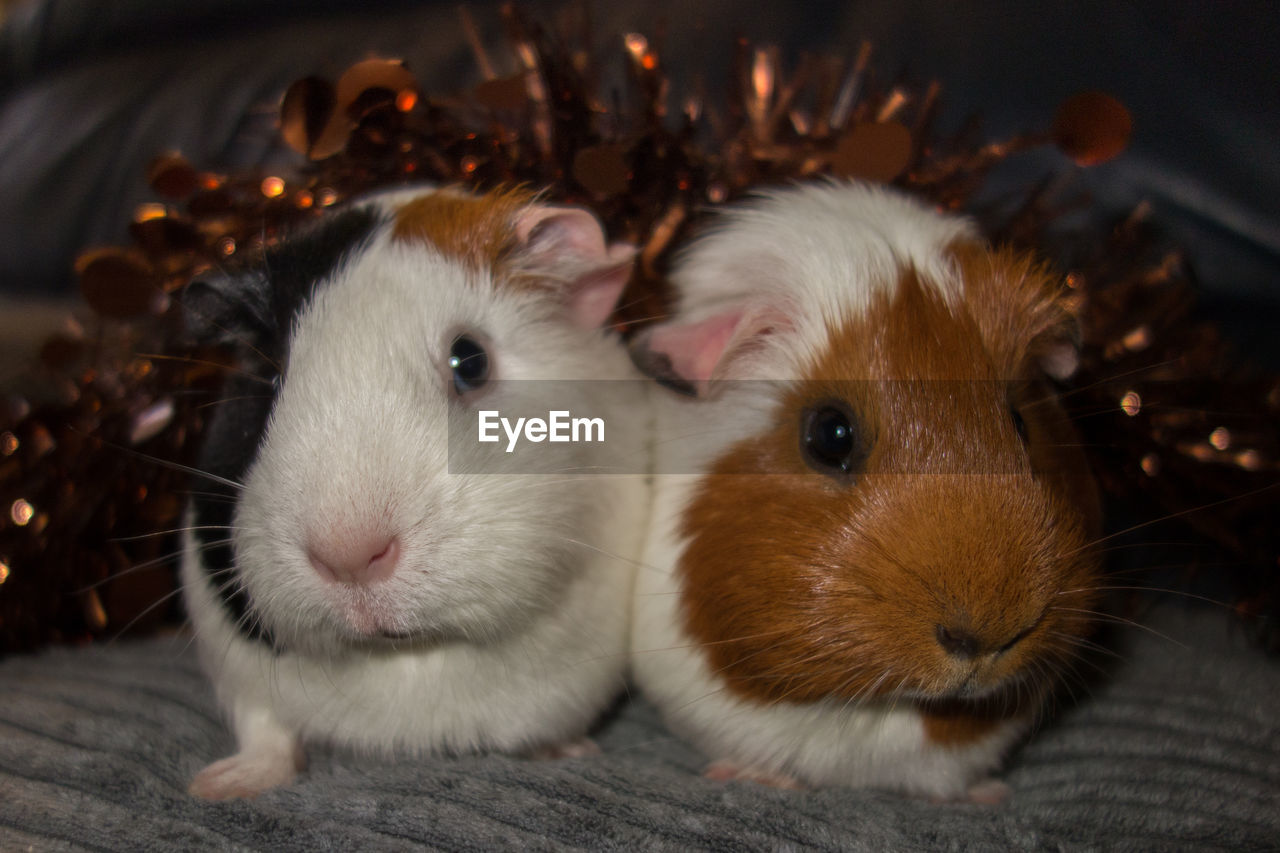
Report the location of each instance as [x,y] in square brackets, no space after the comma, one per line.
[1177,747]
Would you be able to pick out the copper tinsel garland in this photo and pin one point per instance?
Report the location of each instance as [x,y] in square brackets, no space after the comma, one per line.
[79,476]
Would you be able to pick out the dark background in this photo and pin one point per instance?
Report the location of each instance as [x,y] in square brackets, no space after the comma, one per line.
[90,92]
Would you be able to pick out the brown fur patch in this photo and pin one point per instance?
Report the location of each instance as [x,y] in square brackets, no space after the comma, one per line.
[478,230]
[961,724]
[1017,304]
[803,586]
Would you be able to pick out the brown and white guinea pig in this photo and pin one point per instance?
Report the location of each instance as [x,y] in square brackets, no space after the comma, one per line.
[353,576]
[869,559]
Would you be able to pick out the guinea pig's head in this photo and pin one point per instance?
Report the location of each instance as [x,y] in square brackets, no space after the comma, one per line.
[364,341]
[913,517]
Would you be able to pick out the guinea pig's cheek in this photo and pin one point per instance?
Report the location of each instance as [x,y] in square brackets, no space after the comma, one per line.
[262,559]
[285,593]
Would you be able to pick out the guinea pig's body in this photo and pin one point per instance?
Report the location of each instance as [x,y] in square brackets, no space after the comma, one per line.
[869,559]
[359,579]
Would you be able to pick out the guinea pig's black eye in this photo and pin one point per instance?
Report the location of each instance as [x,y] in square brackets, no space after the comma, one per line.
[1019,423]
[829,440]
[469,363]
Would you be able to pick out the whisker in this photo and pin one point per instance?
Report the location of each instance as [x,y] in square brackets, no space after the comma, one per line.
[206,363]
[652,318]
[701,698]
[224,400]
[172,531]
[1148,544]
[158,562]
[1087,644]
[222,497]
[1078,656]
[164,599]
[149,564]
[1164,591]
[1120,620]
[1071,392]
[694,644]
[177,466]
[1173,515]
[637,563]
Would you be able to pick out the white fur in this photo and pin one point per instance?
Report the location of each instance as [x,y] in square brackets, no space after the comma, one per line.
[516,586]
[822,251]
[815,254]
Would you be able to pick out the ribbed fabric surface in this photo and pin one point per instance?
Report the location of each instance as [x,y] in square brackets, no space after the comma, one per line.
[1176,747]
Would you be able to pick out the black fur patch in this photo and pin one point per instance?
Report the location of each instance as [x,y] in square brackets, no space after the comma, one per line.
[254,312]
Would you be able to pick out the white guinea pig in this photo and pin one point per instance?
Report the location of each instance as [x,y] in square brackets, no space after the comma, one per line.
[869,561]
[359,575]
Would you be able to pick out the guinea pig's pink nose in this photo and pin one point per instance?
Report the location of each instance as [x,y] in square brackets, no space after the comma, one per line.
[355,561]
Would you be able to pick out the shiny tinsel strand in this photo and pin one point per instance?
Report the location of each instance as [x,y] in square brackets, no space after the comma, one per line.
[1176,429]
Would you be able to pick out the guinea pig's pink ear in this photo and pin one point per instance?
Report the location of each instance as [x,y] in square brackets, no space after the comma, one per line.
[689,356]
[568,244]
[1060,359]
[1055,342]
[1022,309]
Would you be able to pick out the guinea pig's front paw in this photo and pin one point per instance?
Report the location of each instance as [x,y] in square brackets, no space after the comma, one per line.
[245,775]
[988,792]
[579,748]
[984,792]
[728,771]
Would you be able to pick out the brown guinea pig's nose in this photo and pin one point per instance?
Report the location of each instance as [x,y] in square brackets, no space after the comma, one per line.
[963,643]
[958,641]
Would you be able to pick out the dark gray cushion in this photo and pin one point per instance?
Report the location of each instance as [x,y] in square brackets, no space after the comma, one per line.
[1177,748]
